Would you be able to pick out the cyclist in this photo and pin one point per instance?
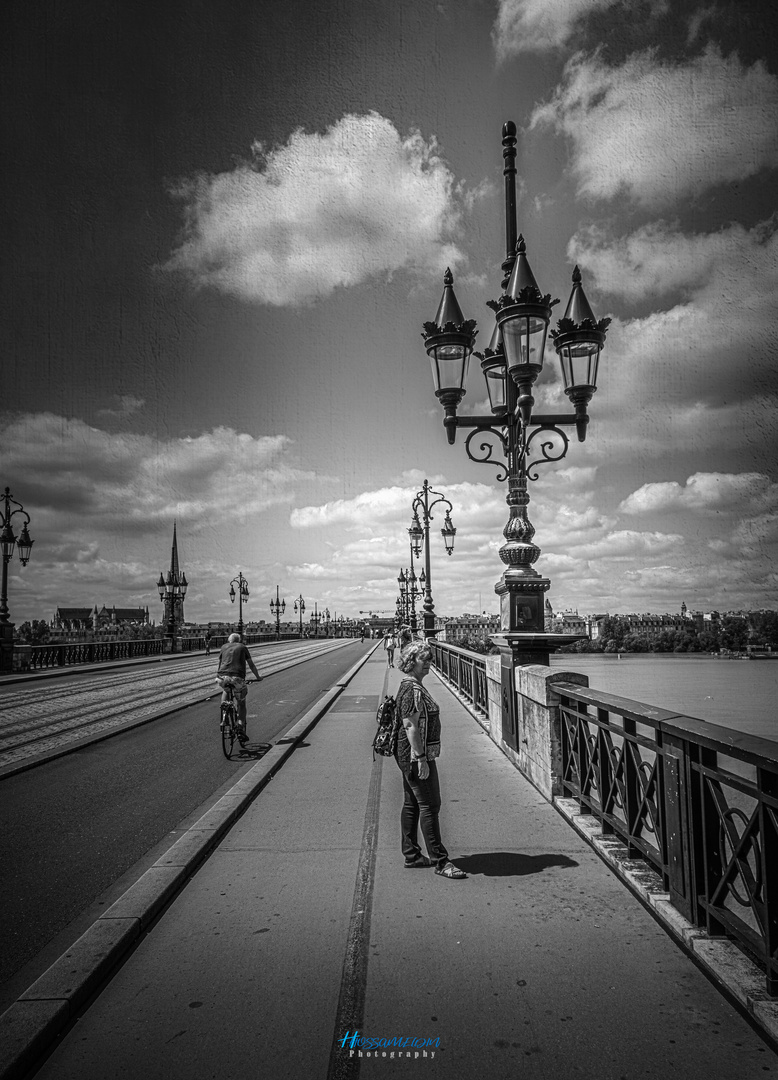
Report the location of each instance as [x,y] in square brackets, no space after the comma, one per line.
[233,658]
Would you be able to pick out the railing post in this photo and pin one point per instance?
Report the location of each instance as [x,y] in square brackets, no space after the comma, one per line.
[674,807]
[604,772]
[631,785]
[707,845]
[767,783]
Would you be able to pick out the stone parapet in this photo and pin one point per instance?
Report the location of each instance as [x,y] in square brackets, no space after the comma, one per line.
[539,754]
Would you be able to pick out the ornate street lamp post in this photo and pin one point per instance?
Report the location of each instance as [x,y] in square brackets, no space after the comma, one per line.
[326,617]
[315,618]
[277,608]
[23,545]
[511,364]
[421,534]
[299,605]
[243,596]
[172,590]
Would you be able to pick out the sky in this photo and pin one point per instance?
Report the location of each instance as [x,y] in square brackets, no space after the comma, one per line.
[225,223]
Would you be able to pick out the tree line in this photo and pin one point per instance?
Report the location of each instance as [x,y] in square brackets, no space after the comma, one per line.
[730,634]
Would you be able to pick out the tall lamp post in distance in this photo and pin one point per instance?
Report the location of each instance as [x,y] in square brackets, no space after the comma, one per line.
[277,608]
[172,590]
[421,534]
[326,615]
[23,545]
[315,618]
[510,365]
[299,605]
[243,596]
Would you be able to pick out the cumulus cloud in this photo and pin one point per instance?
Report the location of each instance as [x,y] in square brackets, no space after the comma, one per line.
[659,259]
[663,131]
[541,25]
[320,212]
[122,482]
[711,492]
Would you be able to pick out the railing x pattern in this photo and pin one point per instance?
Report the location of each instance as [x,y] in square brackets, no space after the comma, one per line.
[697,801]
[465,670]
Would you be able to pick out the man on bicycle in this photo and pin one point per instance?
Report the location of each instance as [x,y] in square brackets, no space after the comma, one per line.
[233,658]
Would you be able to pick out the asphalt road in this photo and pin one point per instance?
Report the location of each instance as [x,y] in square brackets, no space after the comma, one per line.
[75,832]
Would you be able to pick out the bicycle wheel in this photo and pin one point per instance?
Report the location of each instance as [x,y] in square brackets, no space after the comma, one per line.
[228,726]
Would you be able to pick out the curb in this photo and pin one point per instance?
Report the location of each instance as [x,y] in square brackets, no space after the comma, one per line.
[721,960]
[44,1010]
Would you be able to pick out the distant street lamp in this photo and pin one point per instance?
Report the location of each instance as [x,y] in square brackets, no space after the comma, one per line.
[409,593]
[315,618]
[326,622]
[511,364]
[420,534]
[299,605]
[243,596]
[277,608]
[23,545]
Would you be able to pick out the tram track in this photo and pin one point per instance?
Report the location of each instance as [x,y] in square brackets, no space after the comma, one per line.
[43,722]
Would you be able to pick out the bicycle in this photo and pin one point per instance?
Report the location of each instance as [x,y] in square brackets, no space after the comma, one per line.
[229,721]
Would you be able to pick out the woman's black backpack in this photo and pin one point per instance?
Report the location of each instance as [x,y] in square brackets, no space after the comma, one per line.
[385,740]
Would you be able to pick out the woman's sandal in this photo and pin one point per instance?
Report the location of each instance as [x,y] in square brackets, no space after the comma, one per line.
[450,871]
[421,862]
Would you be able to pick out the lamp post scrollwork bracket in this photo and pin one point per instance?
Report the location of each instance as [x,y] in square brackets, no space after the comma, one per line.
[486,450]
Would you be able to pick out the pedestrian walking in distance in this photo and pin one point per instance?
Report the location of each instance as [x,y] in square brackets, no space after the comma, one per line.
[418,747]
[390,645]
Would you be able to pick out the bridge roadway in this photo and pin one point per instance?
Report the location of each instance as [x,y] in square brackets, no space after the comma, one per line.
[303,928]
[40,720]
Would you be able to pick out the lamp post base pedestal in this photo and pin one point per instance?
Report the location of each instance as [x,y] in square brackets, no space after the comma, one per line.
[517,649]
[532,647]
[6,648]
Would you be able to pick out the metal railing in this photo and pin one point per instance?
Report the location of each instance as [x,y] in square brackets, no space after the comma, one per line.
[68,654]
[92,652]
[465,670]
[697,801]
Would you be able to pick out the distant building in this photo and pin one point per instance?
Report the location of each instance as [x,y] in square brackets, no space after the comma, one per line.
[76,621]
[566,622]
[73,619]
[469,628]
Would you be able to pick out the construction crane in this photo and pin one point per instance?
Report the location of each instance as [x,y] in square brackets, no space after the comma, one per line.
[383,611]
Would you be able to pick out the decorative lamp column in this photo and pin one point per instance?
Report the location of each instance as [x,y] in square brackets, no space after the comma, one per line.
[23,546]
[243,596]
[277,608]
[421,536]
[299,605]
[511,364]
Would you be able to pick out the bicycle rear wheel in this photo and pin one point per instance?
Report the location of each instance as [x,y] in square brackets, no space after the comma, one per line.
[228,726]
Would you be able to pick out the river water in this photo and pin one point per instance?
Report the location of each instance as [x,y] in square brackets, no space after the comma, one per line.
[740,694]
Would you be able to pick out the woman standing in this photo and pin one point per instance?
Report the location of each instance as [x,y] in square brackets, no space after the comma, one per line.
[418,746]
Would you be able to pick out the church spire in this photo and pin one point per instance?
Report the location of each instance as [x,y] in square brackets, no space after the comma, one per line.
[174,569]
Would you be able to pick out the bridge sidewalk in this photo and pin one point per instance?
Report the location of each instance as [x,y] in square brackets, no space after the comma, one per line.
[303,927]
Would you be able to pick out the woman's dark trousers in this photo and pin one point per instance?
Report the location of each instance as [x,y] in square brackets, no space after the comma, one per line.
[421,806]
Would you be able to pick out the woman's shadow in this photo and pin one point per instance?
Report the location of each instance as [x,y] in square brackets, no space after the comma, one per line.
[511,863]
